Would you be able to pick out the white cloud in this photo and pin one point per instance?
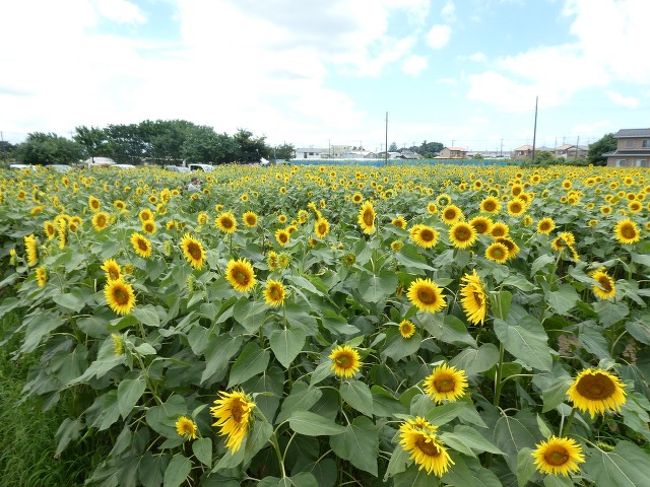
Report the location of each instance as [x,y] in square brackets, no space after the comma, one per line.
[121,11]
[622,100]
[414,64]
[477,57]
[448,11]
[438,36]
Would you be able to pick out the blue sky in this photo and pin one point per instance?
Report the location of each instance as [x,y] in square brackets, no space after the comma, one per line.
[311,72]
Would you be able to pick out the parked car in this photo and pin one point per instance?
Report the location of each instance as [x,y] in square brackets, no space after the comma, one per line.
[201,167]
[181,169]
[60,167]
[123,166]
[18,167]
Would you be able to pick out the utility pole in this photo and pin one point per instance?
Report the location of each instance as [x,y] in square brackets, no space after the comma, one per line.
[386,133]
[501,148]
[535,129]
[452,142]
[577,148]
[329,149]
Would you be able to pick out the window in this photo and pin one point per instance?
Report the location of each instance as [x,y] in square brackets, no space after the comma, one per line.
[645,163]
[629,144]
[622,163]
[645,144]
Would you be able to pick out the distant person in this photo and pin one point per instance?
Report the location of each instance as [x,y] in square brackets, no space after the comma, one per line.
[194,186]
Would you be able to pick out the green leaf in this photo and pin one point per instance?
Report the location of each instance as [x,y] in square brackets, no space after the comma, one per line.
[520,282]
[564,299]
[398,463]
[500,303]
[512,433]
[593,340]
[476,360]
[69,301]
[250,314]
[147,315]
[359,444]
[540,262]
[129,393]
[555,481]
[287,344]
[202,448]
[555,394]
[468,471]
[398,347]
[525,466]
[640,330]
[311,424]
[218,352]
[177,471]
[448,329]
[251,361]
[626,466]
[376,288]
[69,430]
[414,477]
[302,398]
[526,341]
[467,439]
[257,438]
[357,394]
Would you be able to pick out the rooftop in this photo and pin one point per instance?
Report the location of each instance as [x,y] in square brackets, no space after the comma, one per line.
[632,133]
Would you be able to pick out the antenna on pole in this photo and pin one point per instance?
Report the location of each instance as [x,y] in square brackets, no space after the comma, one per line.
[386,133]
[535,129]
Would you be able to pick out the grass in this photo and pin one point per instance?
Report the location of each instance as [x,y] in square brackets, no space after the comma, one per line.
[27,433]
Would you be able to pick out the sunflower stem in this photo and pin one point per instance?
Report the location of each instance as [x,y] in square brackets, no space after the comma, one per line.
[278,453]
[497,380]
[567,426]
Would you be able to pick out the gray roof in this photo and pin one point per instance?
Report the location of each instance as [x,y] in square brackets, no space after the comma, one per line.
[628,153]
[632,133]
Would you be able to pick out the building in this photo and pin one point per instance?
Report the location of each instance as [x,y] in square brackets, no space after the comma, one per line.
[522,152]
[632,149]
[569,151]
[453,153]
[409,154]
[312,153]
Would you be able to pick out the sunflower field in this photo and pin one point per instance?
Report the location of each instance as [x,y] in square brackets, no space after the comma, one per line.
[330,326]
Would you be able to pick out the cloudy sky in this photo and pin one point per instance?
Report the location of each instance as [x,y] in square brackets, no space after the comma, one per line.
[311,71]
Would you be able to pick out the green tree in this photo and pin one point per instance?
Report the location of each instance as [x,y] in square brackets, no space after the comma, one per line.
[285,151]
[427,149]
[204,145]
[393,147]
[93,139]
[607,143]
[6,150]
[251,149]
[42,148]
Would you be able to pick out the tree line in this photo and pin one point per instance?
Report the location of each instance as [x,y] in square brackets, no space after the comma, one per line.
[157,142]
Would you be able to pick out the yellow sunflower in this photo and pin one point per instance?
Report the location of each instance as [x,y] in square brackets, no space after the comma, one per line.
[41,276]
[31,249]
[490,205]
[118,344]
[272,260]
[274,293]
[345,361]
[424,236]
[432,208]
[366,218]
[481,224]
[149,227]
[406,329]
[445,383]
[240,275]
[605,288]
[93,203]
[545,226]
[321,227]
[462,235]
[50,229]
[474,298]
[112,270]
[450,214]
[513,248]
[119,296]
[186,428]
[141,245]
[558,456]
[516,207]
[145,215]
[250,219]
[193,251]
[627,232]
[497,252]
[226,222]
[399,221]
[100,220]
[597,391]
[418,439]
[233,413]
[282,237]
[426,295]
[499,229]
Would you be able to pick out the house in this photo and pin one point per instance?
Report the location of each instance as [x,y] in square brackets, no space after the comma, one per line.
[632,149]
[453,153]
[569,151]
[522,152]
[409,154]
[311,153]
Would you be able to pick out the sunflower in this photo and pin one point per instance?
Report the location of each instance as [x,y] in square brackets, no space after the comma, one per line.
[321,227]
[634,206]
[418,439]
[424,236]
[497,252]
[93,203]
[100,220]
[41,276]
[282,218]
[119,296]
[50,229]
[490,205]
[240,275]
[193,251]
[112,269]
[445,383]
[141,245]
[119,204]
[274,293]
[432,208]
[202,218]
[406,329]
[450,214]
[399,221]
[396,245]
[627,232]
[596,391]
[186,428]
[250,219]
[499,229]
[118,344]
[513,248]
[345,361]
[481,224]
[357,198]
[604,288]
[426,295]
[474,299]
[545,226]
[226,222]
[366,218]
[558,456]
[462,235]
[149,227]
[145,215]
[31,249]
[282,237]
[516,207]
[272,260]
[233,414]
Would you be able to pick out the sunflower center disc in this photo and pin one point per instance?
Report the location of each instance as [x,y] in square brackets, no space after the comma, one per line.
[628,232]
[556,457]
[445,384]
[426,296]
[427,447]
[194,251]
[595,387]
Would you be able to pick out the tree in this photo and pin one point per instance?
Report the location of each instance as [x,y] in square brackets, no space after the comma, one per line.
[251,149]
[393,147]
[285,151]
[427,149]
[6,150]
[42,148]
[607,143]
[93,139]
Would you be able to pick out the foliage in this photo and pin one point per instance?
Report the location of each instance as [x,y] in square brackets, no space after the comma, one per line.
[607,143]
[284,151]
[6,150]
[41,148]
[348,294]
[428,149]
[393,147]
